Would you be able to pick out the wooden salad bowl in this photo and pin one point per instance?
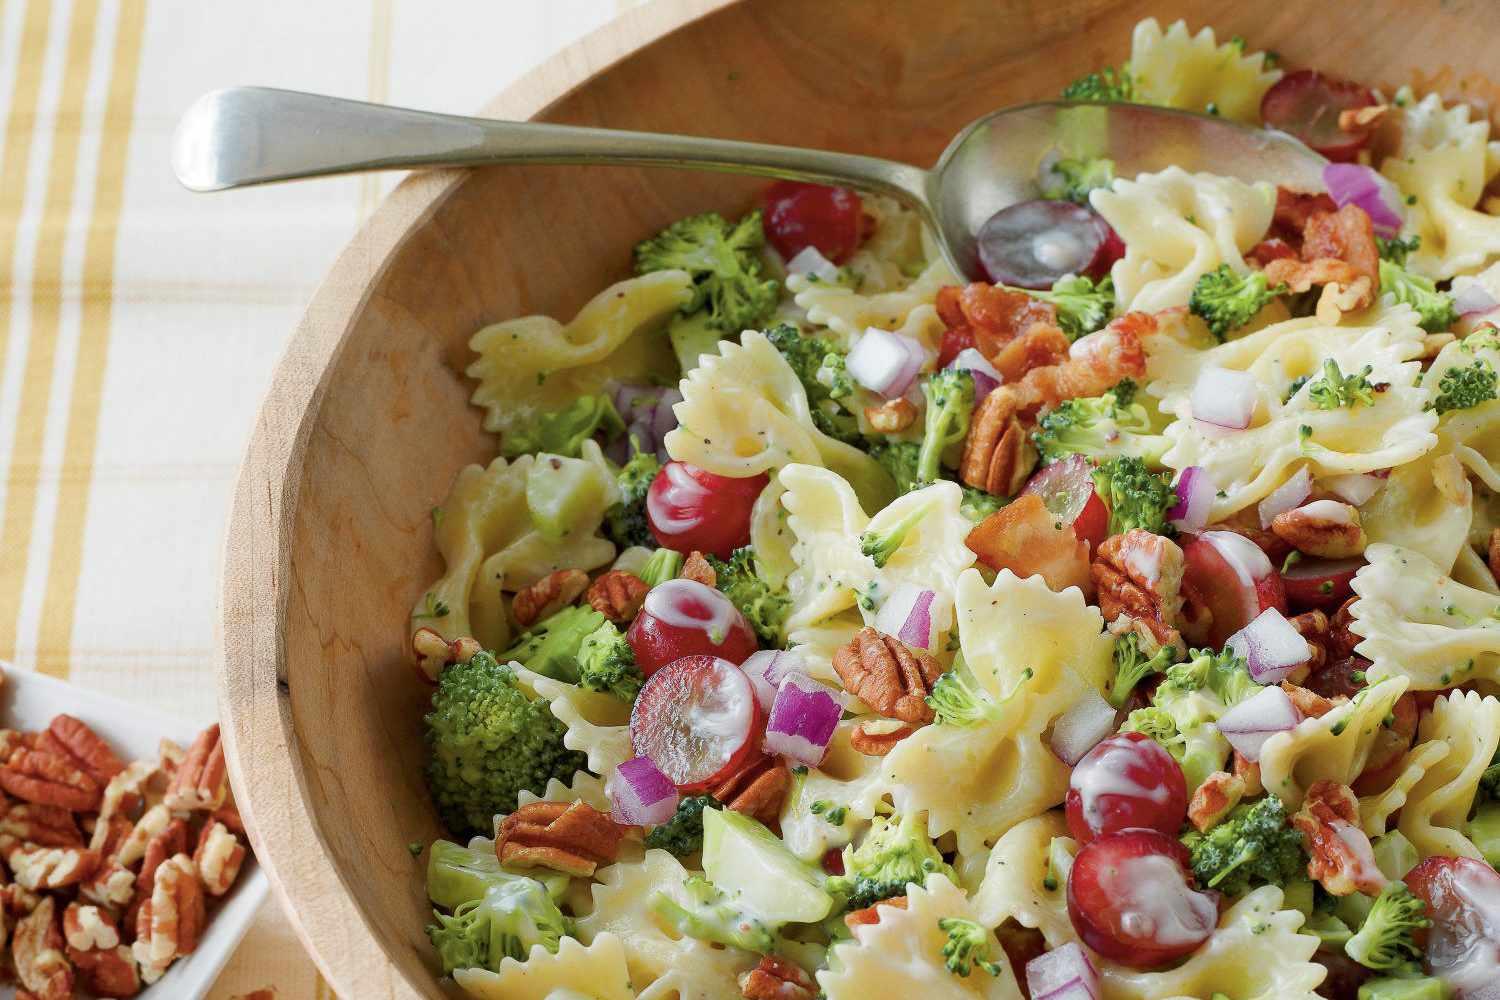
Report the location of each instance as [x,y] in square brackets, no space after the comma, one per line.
[368,421]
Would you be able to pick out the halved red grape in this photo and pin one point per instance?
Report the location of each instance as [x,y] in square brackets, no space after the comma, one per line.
[1127,780]
[691,509]
[1307,103]
[685,618]
[697,720]
[798,216]
[1066,489]
[1230,577]
[1463,902]
[1131,898]
[1320,583]
[1033,243]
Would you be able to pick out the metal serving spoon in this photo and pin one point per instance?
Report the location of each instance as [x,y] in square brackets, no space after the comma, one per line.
[253,135]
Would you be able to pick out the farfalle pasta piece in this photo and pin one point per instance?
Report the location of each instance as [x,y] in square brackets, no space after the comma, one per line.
[1445,160]
[816,644]
[595,972]
[744,412]
[1248,465]
[1415,622]
[1015,879]
[1177,227]
[1335,746]
[845,776]
[596,724]
[1196,73]
[1437,806]
[533,364]
[585,788]
[932,552]
[902,954]
[1375,811]
[849,312]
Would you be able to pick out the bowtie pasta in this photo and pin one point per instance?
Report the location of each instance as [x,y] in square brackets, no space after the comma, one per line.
[1125,626]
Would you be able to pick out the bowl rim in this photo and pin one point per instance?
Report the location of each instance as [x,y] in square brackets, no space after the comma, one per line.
[265,759]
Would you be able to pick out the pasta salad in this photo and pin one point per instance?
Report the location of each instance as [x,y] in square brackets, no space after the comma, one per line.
[1124,626]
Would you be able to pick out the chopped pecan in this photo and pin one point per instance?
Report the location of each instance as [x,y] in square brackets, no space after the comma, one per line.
[123,799]
[37,948]
[1313,627]
[112,885]
[697,568]
[998,453]
[1328,529]
[432,652]
[879,737]
[1342,859]
[776,978]
[169,924]
[171,754]
[152,822]
[107,972]
[871,914]
[757,790]
[45,778]
[88,928]
[1219,793]
[1389,750]
[892,416]
[548,596]
[1139,574]
[1311,704]
[219,857]
[39,868]
[170,842]
[201,781]
[17,901]
[617,595]
[1248,771]
[888,675]
[49,826]
[571,837]
[1341,641]
[229,815]
[1028,539]
[74,739]
[11,740]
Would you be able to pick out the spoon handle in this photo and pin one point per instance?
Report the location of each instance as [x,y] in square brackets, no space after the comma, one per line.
[253,135]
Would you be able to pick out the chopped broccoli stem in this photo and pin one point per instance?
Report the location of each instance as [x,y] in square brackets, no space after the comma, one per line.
[724,261]
[683,833]
[1386,940]
[881,545]
[563,431]
[552,646]
[896,851]
[1082,305]
[709,915]
[1072,179]
[1227,301]
[1434,309]
[1253,845]
[663,565]
[1335,389]
[625,522]
[1136,496]
[1098,427]
[765,607]
[812,359]
[1132,666]
[958,699]
[967,946]
[1109,84]
[950,402]
[1465,387]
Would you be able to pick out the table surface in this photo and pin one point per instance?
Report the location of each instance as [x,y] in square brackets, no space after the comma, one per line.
[140,324]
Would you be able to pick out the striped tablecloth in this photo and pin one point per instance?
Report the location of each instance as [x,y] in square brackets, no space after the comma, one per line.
[139,324]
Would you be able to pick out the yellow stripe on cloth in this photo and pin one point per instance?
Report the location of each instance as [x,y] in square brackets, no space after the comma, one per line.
[54,645]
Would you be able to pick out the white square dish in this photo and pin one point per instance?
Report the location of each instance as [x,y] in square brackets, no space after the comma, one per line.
[29,701]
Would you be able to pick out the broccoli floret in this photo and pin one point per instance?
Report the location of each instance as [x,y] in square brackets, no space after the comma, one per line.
[1461,388]
[625,522]
[978,505]
[899,458]
[895,851]
[1227,301]
[724,260]
[958,699]
[1109,84]
[551,647]
[709,915]
[1124,391]
[1082,305]
[1224,674]
[683,833]
[563,431]
[1099,427]
[1132,666]
[881,545]
[1396,250]
[1434,308]
[1489,780]
[486,741]
[950,401]
[814,359]
[1253,845]
[1136,496]
[967,946]
[765,607]
[606,663]
[1386,940]
[1072,180]
[1157,723]
[496,913]
[1335,389]
[1198,748]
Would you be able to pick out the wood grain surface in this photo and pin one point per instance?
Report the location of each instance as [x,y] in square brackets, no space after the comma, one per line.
[367,420]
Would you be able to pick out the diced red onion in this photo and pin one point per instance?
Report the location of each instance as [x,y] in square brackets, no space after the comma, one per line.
[810,261]
[1356,184]
[1271,646]
[639,794]
[1473,298]
[1355,487]
[1195,497]
[1063,973]
[885,362]
[1081,727]
[1246,558]
[802,719]
[1224,398]
[907,615]
[1286,496]
[986,376]
[767,668]
[1249,724]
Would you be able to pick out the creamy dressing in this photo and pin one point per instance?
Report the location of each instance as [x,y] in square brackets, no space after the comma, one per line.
[1155,903]
[668,603]
[1367,869]
[1057,249]
[1144,563]
[1096,777]
[687,494]
[1243,556]
[1328,510]
[1466,953]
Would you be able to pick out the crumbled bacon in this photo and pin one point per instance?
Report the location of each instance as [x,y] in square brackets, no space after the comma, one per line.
[1027,539]
[1338,249]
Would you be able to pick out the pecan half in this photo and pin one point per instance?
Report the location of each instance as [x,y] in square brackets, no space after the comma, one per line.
[570,837]
[219,857]
[48,779]
[201,782]
[1219,793]
[879,737]
[112,885]
[892,416]
[432,652]
[871,914]
[152,823]
[1313,627]
[998,453]
[170,842]
[617,595]
[776,978]
[169,924]
[698,569]
[548,596]
[40,868]
[11,740]
[37,948]
[757,790]
[1139,574]
[1329,529]
[1028,539]
[48,826]
[1342,859]
[229,815]
[889,676]
[73,739]
[88,928]
[1311,704]
[107,972]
